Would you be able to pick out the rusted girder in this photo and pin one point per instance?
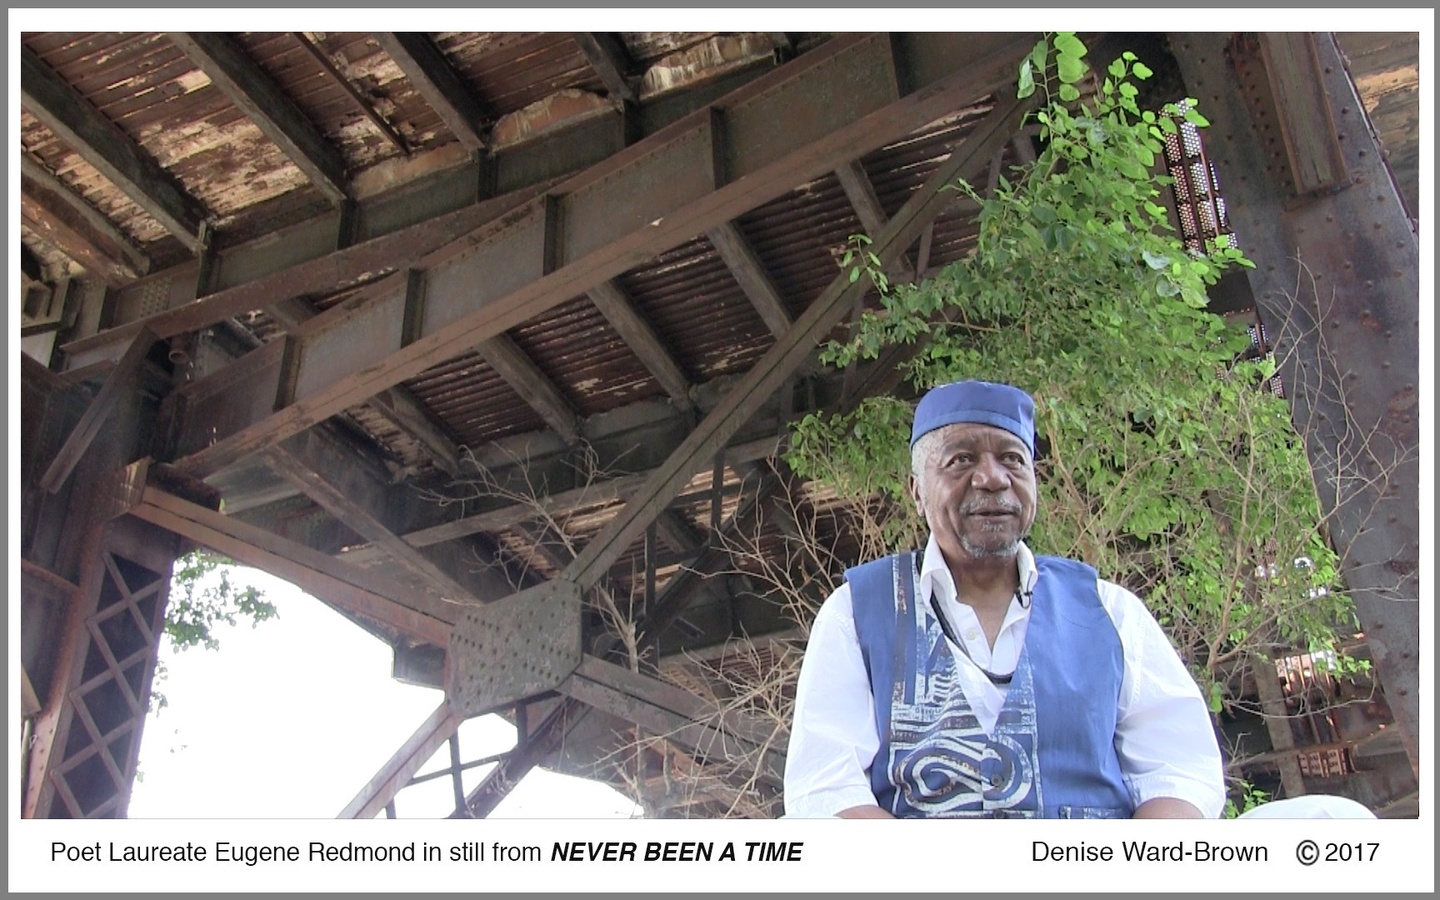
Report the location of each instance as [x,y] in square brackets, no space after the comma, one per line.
[402,766]
[694,175]
[1336,279]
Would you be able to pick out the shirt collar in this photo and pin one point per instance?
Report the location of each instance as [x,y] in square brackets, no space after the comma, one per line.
[935,576]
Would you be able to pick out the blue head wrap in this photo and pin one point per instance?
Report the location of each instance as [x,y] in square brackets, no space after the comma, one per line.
[981,402]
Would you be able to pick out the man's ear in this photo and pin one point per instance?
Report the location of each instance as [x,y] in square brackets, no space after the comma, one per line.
[915,495]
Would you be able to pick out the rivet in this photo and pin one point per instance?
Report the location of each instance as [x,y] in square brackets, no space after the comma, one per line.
[1385,364]
[1368,286]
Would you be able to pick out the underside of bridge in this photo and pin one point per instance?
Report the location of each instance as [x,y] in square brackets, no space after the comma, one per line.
[491,342]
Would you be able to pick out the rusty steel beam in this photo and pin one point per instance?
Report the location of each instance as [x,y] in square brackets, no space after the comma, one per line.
[1336,279]
[637,334]
[328,492]
[860,191]
[606,53]
[695,175]
[353,487]
[749,272]
[344,587]
[771,371]
[397,771]
[667,711]
[518,370]
[103,145]
[118,384]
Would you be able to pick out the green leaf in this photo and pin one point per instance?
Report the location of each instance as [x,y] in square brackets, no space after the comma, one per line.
[1142,71]
[1039,54]
[1027,81]
[1068,92]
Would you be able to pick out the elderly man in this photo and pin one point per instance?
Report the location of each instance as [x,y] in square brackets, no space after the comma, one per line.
[977,679]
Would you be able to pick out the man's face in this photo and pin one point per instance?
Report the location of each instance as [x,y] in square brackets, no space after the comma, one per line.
[976,491]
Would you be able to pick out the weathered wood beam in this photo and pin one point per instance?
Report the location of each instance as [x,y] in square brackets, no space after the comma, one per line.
[77,229]
[437,81]
[362,103]
[265,103]
[519,371]
[120,382]
[619,213]
[607,55]
[345,587]
[860,191]
[402,766]
[103,145]
[749,271]
[637,334]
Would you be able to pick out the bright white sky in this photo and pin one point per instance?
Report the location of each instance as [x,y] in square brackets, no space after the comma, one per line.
[291,718]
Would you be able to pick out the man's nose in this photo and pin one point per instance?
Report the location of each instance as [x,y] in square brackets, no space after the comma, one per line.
[989,474]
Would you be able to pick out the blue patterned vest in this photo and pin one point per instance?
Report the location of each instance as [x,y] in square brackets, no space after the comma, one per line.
[1052,753]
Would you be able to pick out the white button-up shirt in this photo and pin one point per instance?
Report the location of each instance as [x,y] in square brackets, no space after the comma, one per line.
[1163,734]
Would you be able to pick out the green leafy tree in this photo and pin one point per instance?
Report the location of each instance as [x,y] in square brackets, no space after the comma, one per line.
[1163,461]
[203,595]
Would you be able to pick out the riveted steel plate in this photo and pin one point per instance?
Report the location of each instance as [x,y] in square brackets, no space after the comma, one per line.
[514,648]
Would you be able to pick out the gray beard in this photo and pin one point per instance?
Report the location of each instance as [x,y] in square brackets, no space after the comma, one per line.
[1004,551]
